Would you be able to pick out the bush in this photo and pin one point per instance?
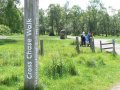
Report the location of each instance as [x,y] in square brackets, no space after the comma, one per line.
[92,63]
[58,67]
[73,43]
[4,30]
[55,69]
[95,63]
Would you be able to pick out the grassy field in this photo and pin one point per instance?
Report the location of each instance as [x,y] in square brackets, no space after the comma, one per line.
[61,68]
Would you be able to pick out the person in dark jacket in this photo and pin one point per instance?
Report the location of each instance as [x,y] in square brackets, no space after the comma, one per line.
[83,40]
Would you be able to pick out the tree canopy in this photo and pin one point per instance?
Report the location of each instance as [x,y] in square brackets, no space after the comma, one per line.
[11,16]
[74,20]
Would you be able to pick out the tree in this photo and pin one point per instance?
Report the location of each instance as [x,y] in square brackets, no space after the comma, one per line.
[42,22]
[3,4]
[11,15]
[55,18]
[75,13]
[74,20]
[92,15]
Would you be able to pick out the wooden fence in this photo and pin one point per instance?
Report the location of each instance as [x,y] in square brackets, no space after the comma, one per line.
[108,47]
[92,45]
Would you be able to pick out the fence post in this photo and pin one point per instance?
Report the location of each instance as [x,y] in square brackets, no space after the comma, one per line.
[92,46]
[77,45]
[41,48]
[100,45]
[113,41]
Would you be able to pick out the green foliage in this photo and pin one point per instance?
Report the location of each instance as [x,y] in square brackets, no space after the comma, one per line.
[95,63]
[75,20]
[11,16]
[55,19]
[14,17]
[91,63]
[9,80]
[59,67]
[4,30]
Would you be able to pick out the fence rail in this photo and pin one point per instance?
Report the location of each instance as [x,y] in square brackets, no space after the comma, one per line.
[106,43]
[108,47]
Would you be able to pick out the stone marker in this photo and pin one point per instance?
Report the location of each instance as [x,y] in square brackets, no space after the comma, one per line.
[63,34]
[31,22]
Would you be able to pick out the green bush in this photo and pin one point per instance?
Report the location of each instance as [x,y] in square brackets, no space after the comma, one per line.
[92,63]
[58,67]
[4,30]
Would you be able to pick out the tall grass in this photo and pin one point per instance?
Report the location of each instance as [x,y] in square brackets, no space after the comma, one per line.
[61,68]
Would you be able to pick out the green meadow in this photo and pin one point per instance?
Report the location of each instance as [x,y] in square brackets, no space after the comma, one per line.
[60,68]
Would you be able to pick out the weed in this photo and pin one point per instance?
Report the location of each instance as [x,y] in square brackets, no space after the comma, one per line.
[10,80]
[91,63]
[73,43]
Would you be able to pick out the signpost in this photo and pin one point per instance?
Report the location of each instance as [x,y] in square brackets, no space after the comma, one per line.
[31,22]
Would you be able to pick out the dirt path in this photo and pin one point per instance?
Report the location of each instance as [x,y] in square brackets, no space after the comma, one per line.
[116,87]
[3,37]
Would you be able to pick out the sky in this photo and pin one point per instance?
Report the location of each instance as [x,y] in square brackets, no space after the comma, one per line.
[115,4]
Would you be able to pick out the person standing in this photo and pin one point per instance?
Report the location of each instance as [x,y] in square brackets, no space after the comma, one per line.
[90,34]
[83,41]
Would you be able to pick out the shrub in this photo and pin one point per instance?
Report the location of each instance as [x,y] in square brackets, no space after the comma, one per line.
[73,43]
[72,69]
[92,63]
[95,63]
[59,67]
[55,68]
[4,30]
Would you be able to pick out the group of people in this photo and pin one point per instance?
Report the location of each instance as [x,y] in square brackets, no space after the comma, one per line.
[85,39]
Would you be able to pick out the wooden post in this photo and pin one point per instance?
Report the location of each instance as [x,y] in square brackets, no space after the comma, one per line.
[90,43]
[31,32]
[41,47]
[100,45]
[113,41]
[92,46]
[77,45]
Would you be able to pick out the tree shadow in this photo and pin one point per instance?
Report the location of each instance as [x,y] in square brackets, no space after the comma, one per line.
[7,41]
